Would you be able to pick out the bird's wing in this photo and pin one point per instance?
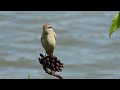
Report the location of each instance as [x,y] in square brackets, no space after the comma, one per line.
[41,38]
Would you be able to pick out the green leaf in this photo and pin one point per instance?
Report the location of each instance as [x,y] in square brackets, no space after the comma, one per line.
[28,75]
[115,23]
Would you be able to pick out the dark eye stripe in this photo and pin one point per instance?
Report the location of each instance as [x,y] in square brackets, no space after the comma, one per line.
[50,27]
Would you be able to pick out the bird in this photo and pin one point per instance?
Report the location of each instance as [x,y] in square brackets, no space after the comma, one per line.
[48,39]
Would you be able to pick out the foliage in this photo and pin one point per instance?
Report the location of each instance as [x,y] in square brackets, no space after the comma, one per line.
[115,23]
[28,75]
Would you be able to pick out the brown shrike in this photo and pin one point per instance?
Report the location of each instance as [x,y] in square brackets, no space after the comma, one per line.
[48,39]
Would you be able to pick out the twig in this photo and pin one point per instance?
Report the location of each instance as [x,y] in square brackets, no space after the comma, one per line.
[52,73]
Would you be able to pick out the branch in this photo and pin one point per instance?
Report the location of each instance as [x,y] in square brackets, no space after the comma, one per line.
[52,63]
[52,73]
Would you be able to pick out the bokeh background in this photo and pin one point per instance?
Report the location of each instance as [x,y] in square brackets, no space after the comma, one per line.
[83,44]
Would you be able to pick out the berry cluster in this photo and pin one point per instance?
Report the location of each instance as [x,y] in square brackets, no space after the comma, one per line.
[51,62]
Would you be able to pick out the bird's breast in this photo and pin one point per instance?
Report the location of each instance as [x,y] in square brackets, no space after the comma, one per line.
[48,41]
[51,39]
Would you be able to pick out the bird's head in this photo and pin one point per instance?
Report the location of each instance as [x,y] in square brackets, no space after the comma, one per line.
[47,26]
